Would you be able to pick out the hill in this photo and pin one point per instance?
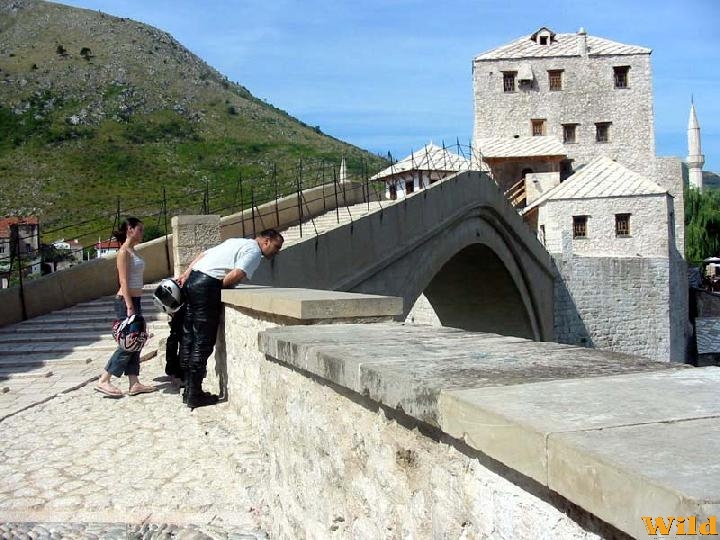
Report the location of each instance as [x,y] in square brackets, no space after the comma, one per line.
[711,180]
[96,109]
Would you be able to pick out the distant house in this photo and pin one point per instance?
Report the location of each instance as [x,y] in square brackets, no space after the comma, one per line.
[524,167]
[18,234]
[419,170]
[605,210]
[73,246]
[105,248]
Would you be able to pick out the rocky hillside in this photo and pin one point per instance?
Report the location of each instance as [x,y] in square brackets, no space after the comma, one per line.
[96,108]
[711,180]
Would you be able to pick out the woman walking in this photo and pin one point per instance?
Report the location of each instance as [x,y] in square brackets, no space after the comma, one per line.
[130,267]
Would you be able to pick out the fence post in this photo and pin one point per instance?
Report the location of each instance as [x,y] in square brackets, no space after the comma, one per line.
[252,209]
[20,277]
[277,210]
[242,206]
[337,204]
[299,197]
[165,224]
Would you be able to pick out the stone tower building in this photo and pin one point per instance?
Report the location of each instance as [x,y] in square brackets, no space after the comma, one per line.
[593,94]
[695,159]
[566,123]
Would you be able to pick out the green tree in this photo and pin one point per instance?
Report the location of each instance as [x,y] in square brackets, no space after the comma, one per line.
[702,225]
[152,231]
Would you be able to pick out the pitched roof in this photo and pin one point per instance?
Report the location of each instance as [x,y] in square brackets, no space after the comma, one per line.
[429,158]
[108,244]
[561,45]
[8,222]
[601,178]
[504,147]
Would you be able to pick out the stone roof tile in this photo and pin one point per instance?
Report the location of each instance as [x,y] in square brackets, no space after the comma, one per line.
[503,147]
[601,178]
[429,158]
[562,45]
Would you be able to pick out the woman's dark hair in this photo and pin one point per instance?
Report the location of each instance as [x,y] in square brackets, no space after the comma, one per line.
[121,233]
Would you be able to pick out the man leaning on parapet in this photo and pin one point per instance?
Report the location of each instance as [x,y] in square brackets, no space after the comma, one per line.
[222,266]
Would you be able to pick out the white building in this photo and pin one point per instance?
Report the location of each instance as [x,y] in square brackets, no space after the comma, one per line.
[615,224]
[695,159]
[592,94]
[420,169]
[605,210]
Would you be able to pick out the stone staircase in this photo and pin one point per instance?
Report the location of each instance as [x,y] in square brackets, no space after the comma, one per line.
[63,350]
[330,220]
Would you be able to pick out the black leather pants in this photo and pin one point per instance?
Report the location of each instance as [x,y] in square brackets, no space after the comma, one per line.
[202,317]
[172,347]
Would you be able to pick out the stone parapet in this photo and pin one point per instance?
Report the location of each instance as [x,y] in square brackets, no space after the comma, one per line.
[305,306]
[234,368]
[609,432]
[192,235]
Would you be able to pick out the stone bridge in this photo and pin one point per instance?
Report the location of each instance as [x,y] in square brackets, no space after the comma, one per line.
[458,242]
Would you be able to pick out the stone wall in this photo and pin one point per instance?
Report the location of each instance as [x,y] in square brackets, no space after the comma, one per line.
[344,467]
[588,96]
[650,232]
[393,431]
[192,235]
[621,304]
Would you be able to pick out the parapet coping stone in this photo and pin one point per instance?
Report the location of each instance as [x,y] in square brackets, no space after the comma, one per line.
[621,436]
[312,304]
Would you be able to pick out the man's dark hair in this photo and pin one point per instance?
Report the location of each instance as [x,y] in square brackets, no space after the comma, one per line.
[272,234]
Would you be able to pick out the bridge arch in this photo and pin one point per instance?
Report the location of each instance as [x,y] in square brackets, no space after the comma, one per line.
[403,249]
[471,275]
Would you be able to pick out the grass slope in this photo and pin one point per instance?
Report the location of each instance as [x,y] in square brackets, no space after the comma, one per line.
[95,108]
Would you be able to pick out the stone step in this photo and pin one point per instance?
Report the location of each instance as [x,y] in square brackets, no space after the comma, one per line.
[19,349]
[38,360]
[155,326]
[11,374]
[50,337]
[101,309]
[59,317]
[61,347]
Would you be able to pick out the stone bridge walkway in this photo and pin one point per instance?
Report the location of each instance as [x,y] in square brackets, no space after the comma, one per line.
[74,464]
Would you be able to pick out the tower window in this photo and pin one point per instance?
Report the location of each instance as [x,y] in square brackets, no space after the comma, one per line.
[538,127]
[509,81]
[621,76]
[602,132]
[566,169]
[622,224]
[555,79]
[579,226]
[569,133]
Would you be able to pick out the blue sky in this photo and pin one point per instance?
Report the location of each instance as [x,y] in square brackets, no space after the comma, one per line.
[392,75]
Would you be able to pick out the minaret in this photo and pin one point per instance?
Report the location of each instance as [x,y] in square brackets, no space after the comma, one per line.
[695,159]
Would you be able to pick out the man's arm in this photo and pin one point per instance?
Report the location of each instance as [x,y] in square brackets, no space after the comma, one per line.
[182,278]
[233,278]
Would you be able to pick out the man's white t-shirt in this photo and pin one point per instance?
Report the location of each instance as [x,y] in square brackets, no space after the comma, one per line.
[232,254]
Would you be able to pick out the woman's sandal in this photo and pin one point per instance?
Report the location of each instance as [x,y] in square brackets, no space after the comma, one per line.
[108,392]
[139,388]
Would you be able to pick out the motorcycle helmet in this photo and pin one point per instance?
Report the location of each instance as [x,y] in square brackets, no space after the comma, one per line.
[130,333]
[168,296]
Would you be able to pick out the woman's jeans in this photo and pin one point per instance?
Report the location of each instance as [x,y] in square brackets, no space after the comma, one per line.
[202,318]
[124,361]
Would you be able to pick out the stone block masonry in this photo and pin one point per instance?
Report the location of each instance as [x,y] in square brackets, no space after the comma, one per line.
[386,430]
[621,304]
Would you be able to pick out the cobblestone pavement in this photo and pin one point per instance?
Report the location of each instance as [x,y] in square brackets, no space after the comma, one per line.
[78,465]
